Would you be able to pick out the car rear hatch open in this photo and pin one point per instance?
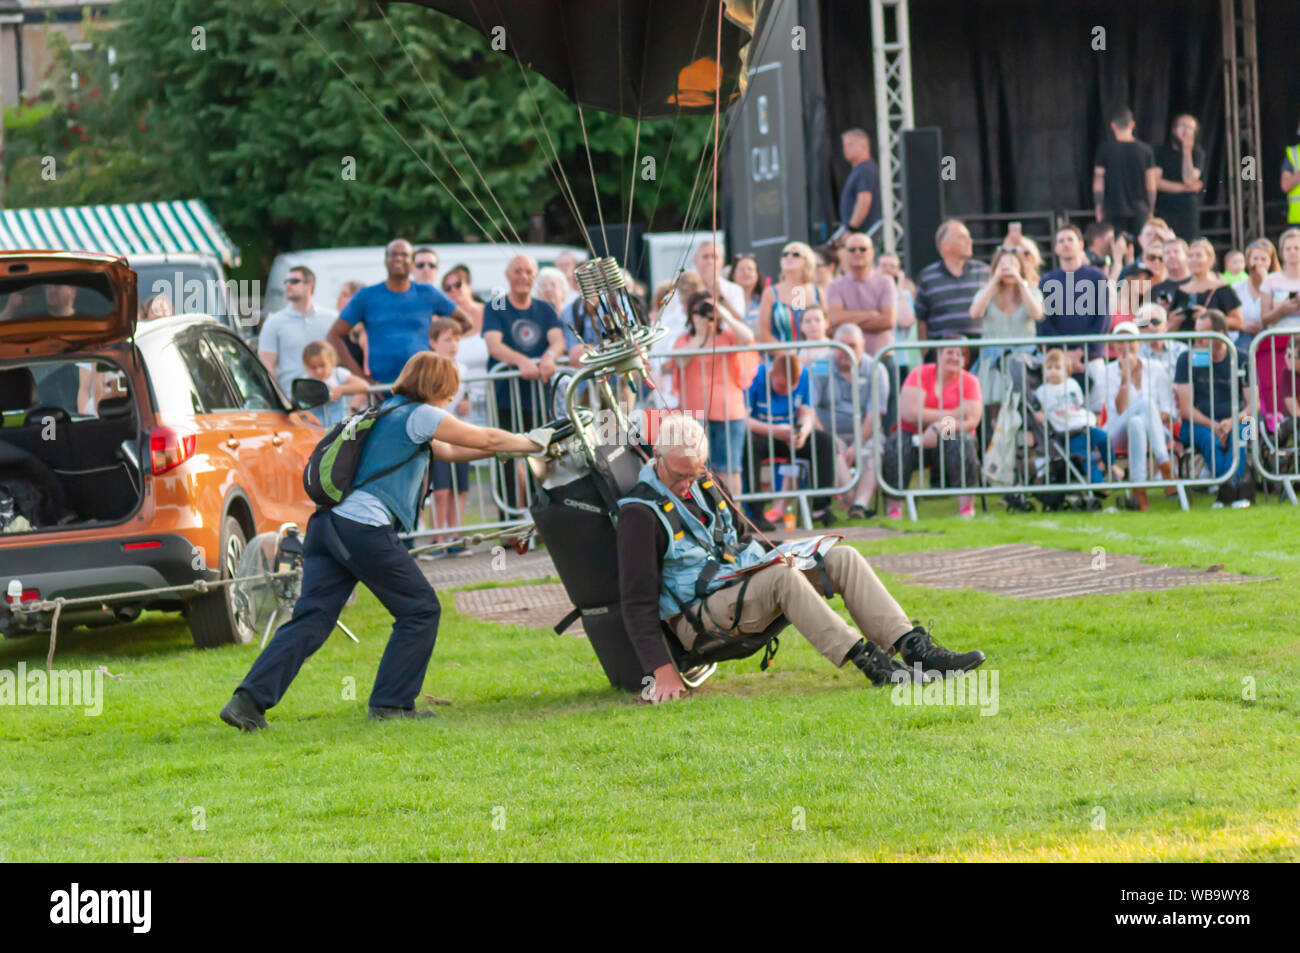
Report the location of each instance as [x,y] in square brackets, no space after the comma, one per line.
[55,303]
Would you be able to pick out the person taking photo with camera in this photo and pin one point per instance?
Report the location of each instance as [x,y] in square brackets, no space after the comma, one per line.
[714,386]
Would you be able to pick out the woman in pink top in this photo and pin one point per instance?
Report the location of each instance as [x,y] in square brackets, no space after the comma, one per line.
[1279,307]
[714,386]
[939,403]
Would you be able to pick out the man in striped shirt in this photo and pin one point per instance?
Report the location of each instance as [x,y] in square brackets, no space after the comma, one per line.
[946,288]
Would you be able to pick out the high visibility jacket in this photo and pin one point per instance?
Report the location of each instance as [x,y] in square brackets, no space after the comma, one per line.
[1293,197]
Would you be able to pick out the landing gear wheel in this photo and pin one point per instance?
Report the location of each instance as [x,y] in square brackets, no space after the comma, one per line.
[212,616]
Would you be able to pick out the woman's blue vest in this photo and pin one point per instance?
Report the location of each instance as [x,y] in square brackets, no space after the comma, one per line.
[388,443]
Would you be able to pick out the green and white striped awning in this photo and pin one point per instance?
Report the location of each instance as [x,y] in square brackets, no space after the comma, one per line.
[139,228]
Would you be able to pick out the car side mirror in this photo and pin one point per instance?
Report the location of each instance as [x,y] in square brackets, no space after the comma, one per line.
[307,392]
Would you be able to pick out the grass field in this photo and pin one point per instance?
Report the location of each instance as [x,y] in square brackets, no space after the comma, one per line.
[1121,733]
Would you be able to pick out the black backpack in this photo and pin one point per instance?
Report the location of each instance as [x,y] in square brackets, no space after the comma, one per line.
[332,468]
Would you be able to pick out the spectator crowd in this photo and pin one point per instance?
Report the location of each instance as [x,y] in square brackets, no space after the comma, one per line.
[967,371]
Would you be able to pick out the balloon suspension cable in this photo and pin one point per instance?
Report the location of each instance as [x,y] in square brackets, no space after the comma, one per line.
[553,158]
[595,190]
[437,102]
[438,145]
[419,158]
[715,283]
[631,194]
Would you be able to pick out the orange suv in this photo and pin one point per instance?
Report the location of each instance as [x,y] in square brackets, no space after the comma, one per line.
[132,458]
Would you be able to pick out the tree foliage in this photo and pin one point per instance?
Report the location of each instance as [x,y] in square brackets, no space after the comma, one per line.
[312,124]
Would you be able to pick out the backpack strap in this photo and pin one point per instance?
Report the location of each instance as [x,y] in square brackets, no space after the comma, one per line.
[396,466]
[419,448]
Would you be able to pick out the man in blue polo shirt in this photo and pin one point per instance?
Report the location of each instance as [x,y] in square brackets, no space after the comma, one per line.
[396,314]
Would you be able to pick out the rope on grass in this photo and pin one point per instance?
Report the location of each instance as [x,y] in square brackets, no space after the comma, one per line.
[54,633]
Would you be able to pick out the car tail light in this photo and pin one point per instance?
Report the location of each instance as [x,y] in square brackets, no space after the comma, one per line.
[143,544]
[169,448]
[29,595]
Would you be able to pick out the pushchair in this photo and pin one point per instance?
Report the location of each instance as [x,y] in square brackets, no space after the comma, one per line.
[1024,451]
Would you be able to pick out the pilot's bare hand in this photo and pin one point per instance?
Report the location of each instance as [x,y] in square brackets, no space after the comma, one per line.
[666,686]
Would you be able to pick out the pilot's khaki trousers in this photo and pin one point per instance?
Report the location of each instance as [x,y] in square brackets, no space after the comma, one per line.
[782,589]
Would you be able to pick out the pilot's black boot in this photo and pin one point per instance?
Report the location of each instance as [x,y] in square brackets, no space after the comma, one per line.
[918,648]
[877,666]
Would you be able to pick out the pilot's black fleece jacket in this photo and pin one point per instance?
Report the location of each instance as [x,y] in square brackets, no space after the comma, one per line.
[642,543]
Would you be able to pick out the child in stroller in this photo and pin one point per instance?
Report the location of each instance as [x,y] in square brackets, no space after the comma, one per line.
[1054,434]
[1060,406]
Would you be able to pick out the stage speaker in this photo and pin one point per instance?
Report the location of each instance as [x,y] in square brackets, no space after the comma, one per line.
[923,206]
[617,237]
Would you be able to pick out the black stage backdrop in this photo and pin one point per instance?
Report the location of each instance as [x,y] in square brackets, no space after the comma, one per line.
[1023,99]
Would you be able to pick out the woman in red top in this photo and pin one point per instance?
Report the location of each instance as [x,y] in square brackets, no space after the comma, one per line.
[713,387]
[939,402]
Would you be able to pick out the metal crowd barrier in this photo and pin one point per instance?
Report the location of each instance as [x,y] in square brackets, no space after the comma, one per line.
[488,477]
[492,478]
[1037,446]
[1275,449]
[788,472]
[801,477]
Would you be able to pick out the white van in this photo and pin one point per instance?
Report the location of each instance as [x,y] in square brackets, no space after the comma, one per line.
[195,283]
[334,267]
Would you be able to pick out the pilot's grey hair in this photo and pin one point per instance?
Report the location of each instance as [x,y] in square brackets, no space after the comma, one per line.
[681,433]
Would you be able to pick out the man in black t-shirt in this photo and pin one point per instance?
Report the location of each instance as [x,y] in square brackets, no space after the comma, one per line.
[1180,184]
[1166,293]
[1124,177]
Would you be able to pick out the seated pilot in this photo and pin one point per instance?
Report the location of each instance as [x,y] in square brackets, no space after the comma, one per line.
[676,532]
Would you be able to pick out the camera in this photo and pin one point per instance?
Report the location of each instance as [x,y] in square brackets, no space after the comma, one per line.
[705,310]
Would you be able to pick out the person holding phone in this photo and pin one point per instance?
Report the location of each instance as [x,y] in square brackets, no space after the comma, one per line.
[1261,261]
[1098,240]
[1008,306]
[1177,273]
[1205,288]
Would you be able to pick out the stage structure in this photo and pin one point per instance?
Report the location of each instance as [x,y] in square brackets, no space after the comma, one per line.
[1241,100]
[891,58]
[1024,128]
